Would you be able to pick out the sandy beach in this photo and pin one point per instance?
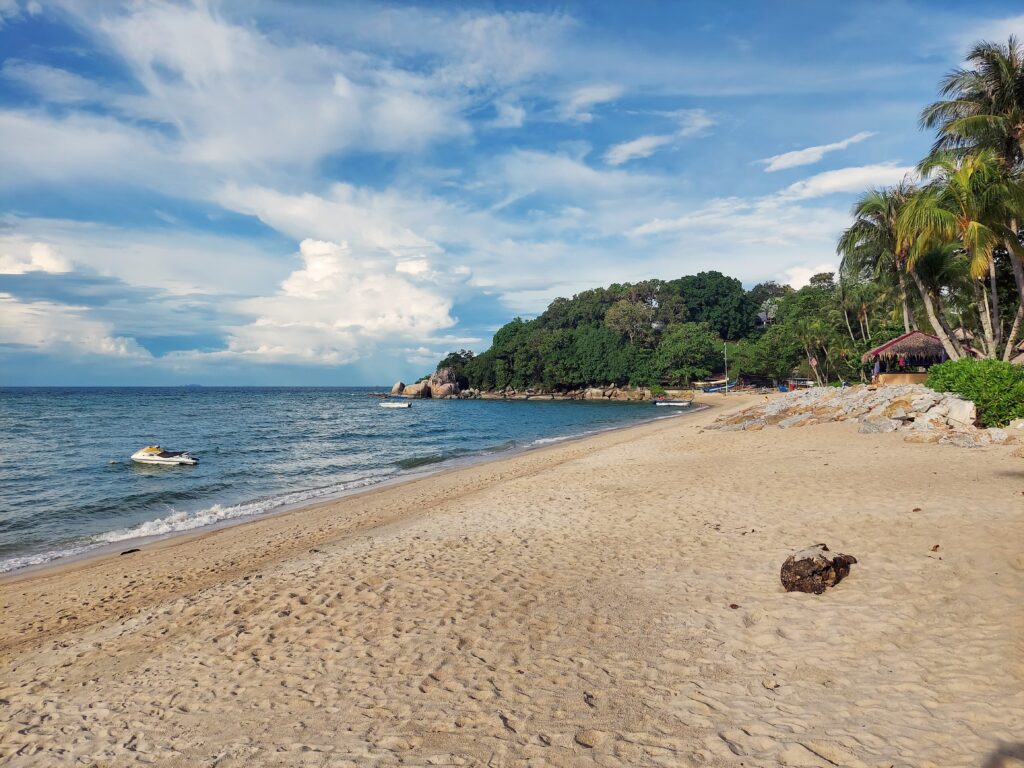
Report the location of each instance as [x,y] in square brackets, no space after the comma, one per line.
[611,601]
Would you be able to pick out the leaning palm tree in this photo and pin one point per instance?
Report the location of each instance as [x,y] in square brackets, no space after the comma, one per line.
[872,245]
[983,109]
[970,200]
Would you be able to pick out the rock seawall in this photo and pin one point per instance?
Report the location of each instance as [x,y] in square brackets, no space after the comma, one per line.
[923,415]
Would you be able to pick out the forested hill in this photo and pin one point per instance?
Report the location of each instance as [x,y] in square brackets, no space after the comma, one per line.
[672,332]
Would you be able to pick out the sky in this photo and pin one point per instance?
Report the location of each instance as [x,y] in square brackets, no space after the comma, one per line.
[255,192]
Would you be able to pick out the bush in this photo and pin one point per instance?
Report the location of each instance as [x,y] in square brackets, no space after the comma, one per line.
[996,388]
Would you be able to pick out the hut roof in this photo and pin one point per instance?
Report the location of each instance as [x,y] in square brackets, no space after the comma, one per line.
[914,345]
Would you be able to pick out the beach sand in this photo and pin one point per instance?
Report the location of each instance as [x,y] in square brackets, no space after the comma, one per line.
[610,601]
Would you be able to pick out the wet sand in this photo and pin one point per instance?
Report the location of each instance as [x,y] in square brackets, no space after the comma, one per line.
[571,605]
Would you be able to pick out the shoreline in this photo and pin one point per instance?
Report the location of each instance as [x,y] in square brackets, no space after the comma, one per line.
[105,550]
[609,600]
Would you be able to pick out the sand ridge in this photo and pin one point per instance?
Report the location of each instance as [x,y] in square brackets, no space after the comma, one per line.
[568,606]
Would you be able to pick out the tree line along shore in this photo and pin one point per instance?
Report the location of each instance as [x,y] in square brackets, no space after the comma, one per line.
[942,252]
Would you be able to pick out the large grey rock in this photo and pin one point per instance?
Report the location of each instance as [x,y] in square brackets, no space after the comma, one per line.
[397,387]
[796,420]
[815,569]
[420,389]
[875,424]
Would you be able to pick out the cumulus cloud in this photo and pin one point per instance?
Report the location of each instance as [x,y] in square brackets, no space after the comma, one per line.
[339,306]
[48,326]
[799,275]
[42,257]
[578,104]
[810,155]
[508,115]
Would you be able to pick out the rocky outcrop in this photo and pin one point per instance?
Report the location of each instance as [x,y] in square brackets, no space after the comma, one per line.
[419,389]
[815,569]
[397,388]
[623,394]
[443,383]
[923,415]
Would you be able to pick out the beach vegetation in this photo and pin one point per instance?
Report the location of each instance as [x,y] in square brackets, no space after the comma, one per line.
[995,387]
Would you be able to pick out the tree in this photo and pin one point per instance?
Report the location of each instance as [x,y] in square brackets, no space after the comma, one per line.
[719,301]
[688,351]
[872,247]
[971,200]
[631,319]
[983,110]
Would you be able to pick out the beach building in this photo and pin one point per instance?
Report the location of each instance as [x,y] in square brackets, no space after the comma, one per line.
[905,359]
[1018,354]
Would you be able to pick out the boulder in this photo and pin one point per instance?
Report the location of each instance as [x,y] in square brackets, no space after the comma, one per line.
[999,436]
[962,413]
[397,387]
[815,569]
[1016,424]
[872,424]
[593,393]
[420,389]
[444,390]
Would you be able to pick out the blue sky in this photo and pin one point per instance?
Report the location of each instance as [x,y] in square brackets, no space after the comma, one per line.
[283,193]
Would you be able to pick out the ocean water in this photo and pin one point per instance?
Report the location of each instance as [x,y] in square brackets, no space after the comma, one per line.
[260,449]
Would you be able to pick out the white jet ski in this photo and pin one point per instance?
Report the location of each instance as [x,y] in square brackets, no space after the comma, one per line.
[154,454]
[395,404]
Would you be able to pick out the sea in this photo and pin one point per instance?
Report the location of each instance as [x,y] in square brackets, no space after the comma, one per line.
[68,486]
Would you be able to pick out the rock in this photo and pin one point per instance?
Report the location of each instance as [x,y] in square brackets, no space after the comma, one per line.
[962,413]
[966,439]
[923,437]
[796,420]
[444,390]
[589,738]
[1016,424]
[873,424]
[998,436]
[593,393]
[815,569]
[397,387]
[420,389]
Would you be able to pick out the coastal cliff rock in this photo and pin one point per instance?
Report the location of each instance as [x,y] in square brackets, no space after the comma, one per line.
[397,387]
[420,389]
[925,416]
[815,569]
[443,383]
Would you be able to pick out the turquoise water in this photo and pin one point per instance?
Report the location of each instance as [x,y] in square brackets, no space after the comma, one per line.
[259,449]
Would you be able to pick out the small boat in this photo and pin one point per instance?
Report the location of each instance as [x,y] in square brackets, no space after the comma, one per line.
[675,403]
[154,454]
[396,404]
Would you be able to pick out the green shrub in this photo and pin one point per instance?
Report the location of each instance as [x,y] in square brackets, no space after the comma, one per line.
[996,388]
[657,390]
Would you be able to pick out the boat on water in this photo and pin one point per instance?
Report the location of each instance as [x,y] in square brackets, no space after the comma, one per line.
[154,454]
[675,403]
[395,404]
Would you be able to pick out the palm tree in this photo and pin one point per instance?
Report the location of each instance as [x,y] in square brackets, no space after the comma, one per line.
[872,244]
[983,109]
[970,199]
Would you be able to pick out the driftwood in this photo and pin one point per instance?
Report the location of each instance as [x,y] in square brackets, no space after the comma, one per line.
[815,569]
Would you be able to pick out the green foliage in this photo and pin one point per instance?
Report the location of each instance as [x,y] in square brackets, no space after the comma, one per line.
[719,301]
[689,351]
[995,387]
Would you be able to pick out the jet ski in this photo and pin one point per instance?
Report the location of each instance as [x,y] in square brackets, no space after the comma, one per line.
[395,404]
[154,454]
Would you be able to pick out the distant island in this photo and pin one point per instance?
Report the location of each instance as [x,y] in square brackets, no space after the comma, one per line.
[658,334]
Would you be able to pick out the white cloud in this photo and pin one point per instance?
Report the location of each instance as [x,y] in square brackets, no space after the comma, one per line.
[48,326]
[42,257]
[338,307]
[693,122]
[577,105]
[810,155]
[645,146]
[995,30]
[853,179]
[53,84]
[508,115]
[798,276]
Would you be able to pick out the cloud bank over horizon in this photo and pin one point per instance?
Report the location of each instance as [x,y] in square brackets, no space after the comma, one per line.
[249,192]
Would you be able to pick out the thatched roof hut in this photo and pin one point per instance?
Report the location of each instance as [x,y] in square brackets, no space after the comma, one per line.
[916,347]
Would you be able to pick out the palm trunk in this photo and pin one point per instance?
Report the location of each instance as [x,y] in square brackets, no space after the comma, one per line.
[849,330]
[981,304]
[1014,329]
[997,319]
[908,323]
[950,344]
